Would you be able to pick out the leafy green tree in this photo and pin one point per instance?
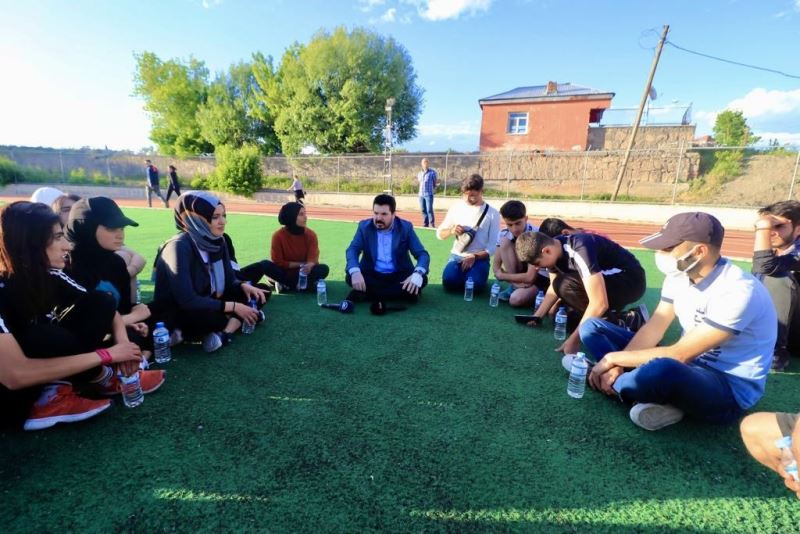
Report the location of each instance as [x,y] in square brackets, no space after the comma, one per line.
[332,92]
[173,92]
[233,115]
[731,129]
[238,170]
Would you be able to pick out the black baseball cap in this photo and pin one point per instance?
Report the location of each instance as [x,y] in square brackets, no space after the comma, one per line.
[694,226]
[100,210]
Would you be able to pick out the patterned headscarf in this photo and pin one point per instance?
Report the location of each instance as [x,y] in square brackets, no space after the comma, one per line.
[193,214]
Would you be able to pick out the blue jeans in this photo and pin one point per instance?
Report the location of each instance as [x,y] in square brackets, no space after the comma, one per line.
[453,278]
[426,205]
[700,392]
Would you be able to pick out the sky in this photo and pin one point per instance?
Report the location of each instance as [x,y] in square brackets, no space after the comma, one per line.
[68,66]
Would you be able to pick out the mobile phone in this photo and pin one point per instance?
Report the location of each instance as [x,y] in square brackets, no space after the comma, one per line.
[525,319]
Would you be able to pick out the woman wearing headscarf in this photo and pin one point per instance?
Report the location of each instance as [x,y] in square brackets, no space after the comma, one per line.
[96,227]
[194,279]
[294,248]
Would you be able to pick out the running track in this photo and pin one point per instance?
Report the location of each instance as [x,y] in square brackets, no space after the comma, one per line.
[737,244]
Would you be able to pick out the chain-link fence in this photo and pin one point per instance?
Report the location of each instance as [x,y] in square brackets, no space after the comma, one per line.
[739,176]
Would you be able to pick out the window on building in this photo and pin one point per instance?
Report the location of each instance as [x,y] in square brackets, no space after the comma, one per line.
[517,123]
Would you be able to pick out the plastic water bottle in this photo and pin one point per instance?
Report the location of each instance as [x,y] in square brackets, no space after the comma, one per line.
[161,348]
[787,458]
[138,292]
[322,293]
[249,328]
[494,295]
[577,376]
[302,279]
[469,289]
[560,332]
[539,299]
[132,394]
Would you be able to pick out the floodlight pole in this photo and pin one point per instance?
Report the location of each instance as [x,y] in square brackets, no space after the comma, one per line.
[387,153]
[635,127]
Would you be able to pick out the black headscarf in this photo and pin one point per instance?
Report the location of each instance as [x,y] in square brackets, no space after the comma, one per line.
[288,217]
[93,266]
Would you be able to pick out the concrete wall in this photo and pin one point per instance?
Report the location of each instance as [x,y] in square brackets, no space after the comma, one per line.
[560,125]
[732,218]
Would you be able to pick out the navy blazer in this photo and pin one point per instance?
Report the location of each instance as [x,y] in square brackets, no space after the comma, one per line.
[404,241]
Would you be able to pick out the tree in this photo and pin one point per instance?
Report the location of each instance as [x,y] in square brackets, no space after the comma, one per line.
[173,91]
[731,129]
[233,115]
[332,92]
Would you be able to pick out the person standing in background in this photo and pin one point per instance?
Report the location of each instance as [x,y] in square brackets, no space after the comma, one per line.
[152,185]
[428,180]
[297,187]
[174,185]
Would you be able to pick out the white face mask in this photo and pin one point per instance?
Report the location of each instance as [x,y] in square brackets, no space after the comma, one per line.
[668,264]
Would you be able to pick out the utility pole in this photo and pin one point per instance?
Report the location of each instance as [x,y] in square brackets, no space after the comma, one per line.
[635,127]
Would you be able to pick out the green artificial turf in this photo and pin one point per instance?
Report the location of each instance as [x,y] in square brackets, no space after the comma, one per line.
[447,417]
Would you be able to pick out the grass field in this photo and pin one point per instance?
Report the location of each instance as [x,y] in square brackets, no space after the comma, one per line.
[448,417]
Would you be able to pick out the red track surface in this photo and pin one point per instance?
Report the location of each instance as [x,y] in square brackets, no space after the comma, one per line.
[738,244]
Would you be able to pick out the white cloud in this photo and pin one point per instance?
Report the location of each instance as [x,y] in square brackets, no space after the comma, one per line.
[448,9]
[208,4]
[450,130]
[761,102]
[390,15]
[368,5]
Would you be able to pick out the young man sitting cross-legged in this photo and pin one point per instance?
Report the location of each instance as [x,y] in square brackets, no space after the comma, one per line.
[718,368]
[525,279]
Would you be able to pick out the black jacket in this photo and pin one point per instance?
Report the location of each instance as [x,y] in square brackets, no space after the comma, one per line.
[183,280]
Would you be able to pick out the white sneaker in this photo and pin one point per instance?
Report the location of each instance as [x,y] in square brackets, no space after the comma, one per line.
[212,342]
[652,416]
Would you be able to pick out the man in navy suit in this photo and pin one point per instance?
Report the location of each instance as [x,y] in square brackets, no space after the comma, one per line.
[378,262]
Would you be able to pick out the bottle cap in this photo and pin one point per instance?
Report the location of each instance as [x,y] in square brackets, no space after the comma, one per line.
[159,325]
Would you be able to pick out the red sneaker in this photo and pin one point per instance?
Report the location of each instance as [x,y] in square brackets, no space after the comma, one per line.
[150,381]
[58,403]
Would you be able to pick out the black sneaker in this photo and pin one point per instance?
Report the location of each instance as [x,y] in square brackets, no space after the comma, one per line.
[633,319]
[780,361]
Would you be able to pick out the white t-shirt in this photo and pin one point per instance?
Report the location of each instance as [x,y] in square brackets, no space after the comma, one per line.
[734,301]
[467,215]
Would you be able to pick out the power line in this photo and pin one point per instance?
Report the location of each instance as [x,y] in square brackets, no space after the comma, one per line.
[709,56]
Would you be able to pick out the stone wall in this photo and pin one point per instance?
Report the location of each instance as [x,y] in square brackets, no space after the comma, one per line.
[616,137]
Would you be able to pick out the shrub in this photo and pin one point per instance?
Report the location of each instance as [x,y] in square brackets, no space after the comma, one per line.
[98,178]
[78,176]
[199,182]
[238,170]
[10,172]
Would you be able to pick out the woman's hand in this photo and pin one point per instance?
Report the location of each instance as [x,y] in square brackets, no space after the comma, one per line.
[245,313]
[253,293]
